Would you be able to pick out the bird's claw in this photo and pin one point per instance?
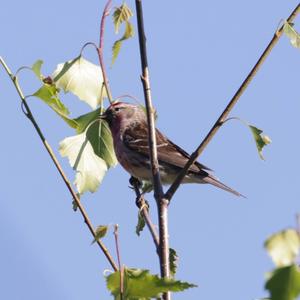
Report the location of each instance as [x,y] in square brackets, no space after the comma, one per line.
[135,182]
[141,203]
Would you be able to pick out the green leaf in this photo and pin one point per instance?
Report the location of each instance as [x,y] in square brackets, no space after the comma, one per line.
[82,78]
[99,136]
[129,32]
[89,151]
[284,283]
[173,261]
[140,225]
[292,34]
[90,168]
[84,120]
[140,284]
[49,94]
[261,140]
[283,247]
[100,233]
[36,68]
[120,15]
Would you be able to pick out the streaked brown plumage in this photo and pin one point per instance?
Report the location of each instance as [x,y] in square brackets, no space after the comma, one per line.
[128,125]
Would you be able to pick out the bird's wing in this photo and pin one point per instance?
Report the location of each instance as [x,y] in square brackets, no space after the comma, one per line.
[136,139]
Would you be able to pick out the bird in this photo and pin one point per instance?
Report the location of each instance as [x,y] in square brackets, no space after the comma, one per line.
[128,125]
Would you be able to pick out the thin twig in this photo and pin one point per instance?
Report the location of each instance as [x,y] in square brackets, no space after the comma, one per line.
[116,228]
[57,164]
[158,191]
[101,48]
[121,270]
[142,205]
[173,188]
[162,203]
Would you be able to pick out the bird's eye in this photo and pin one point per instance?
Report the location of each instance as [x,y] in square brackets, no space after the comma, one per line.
[117,109]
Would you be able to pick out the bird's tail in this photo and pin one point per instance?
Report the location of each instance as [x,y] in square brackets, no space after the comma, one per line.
[214,181]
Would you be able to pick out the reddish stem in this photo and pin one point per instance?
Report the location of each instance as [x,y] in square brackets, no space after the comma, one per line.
[100,49]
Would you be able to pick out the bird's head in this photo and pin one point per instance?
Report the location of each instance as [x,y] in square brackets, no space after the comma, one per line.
[119,115]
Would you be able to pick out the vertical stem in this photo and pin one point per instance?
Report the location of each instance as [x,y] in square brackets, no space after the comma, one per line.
[121,269]
[164,238]
[162,203]
[158,192]
[100,50]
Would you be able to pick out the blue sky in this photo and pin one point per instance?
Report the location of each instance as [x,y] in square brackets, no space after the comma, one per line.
[199,53]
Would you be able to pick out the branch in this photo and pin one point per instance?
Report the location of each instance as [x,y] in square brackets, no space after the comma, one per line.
[142,205]
[173,188]
[29,115]
[100,50]
[162,203]
[121,269]
[158,191]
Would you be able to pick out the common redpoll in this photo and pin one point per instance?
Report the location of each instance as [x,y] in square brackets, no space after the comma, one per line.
[128,125]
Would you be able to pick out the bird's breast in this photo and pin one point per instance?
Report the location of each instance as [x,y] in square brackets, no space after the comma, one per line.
[134,163]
